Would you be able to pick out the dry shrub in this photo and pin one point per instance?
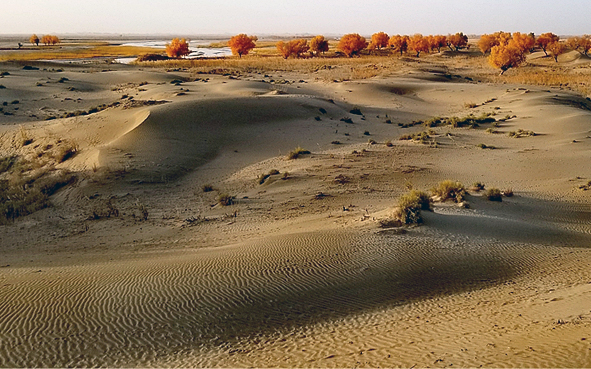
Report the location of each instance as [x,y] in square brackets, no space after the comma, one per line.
[508,192]
[493,194]
[297,152]
[225,200]
[450,190]
[410,206]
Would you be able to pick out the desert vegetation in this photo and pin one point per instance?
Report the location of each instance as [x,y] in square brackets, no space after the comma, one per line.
[242,44]
[177,48]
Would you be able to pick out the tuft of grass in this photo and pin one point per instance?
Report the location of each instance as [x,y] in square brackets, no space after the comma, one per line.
[483,146]
[478,186]
[389,143]
[450,190]
[508,192]
[355,111]
[470,105]
[493,194]
[410,206]
[297,152]
[521,133]
[225,200]
[65,151]
[207,187]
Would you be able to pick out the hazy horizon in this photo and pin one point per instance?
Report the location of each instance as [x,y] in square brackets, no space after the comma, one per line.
[269,17]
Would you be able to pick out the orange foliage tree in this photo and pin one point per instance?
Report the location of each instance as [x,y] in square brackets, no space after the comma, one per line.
[351,44]
[556,48]
[50,40]
[378,40]
[523,42]
[487,42]
[242,44]
[177,48]
[318,45]
[505,57]
[293,48]
[546,39]
[34,40]
[580,44]
[418,43]
[399,43]
[437,42]
[458,41]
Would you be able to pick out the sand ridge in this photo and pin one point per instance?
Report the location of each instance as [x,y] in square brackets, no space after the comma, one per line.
[297,272]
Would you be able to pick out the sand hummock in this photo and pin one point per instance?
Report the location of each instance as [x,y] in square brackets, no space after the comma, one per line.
[297,272]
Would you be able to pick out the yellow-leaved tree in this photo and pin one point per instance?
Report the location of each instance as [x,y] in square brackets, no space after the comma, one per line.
[242,44]
[177,48]
[505,57]
[318,45]
[34,40]
[351,44]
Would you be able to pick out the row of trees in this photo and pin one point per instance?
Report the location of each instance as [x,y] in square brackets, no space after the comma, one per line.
[509,50]
[506,50]
[353,44]
[46,40]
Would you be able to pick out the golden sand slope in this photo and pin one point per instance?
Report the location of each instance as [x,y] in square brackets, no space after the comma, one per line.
[297,273]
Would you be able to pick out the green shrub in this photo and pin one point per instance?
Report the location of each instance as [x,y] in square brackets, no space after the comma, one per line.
[450,190]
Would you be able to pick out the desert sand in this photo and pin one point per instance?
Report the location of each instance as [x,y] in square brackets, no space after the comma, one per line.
[297,272]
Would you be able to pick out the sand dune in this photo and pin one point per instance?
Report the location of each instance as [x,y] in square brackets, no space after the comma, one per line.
[297,272]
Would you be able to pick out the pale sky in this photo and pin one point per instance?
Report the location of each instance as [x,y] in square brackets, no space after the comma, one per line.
[194,17]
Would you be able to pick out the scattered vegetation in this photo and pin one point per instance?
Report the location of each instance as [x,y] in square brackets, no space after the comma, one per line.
[225,200]
[410,206]
[450,190]
[509,192]
[242,44]
[493,194]
[297,152]
[483,146]
[478,186]
[207,188]
[521,133]
[263,177]
[177,48]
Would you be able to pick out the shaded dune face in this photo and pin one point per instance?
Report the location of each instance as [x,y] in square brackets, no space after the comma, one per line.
[177,138]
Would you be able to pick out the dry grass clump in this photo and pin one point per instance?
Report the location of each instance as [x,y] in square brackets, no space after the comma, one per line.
[508,192]
[207,187]
[263,177]
[422,137]
[477,186]
[450,190]
[297,152]
[493,194]
[483,146]
[410,206]
[25,192]
[521,133]
[225,200]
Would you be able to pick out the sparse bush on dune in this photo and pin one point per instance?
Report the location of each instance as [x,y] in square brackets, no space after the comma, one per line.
[508,192]
[450,190]
[493,194]
[478,186]
[225,200]
[207,188]
[297,152]
[410,206]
